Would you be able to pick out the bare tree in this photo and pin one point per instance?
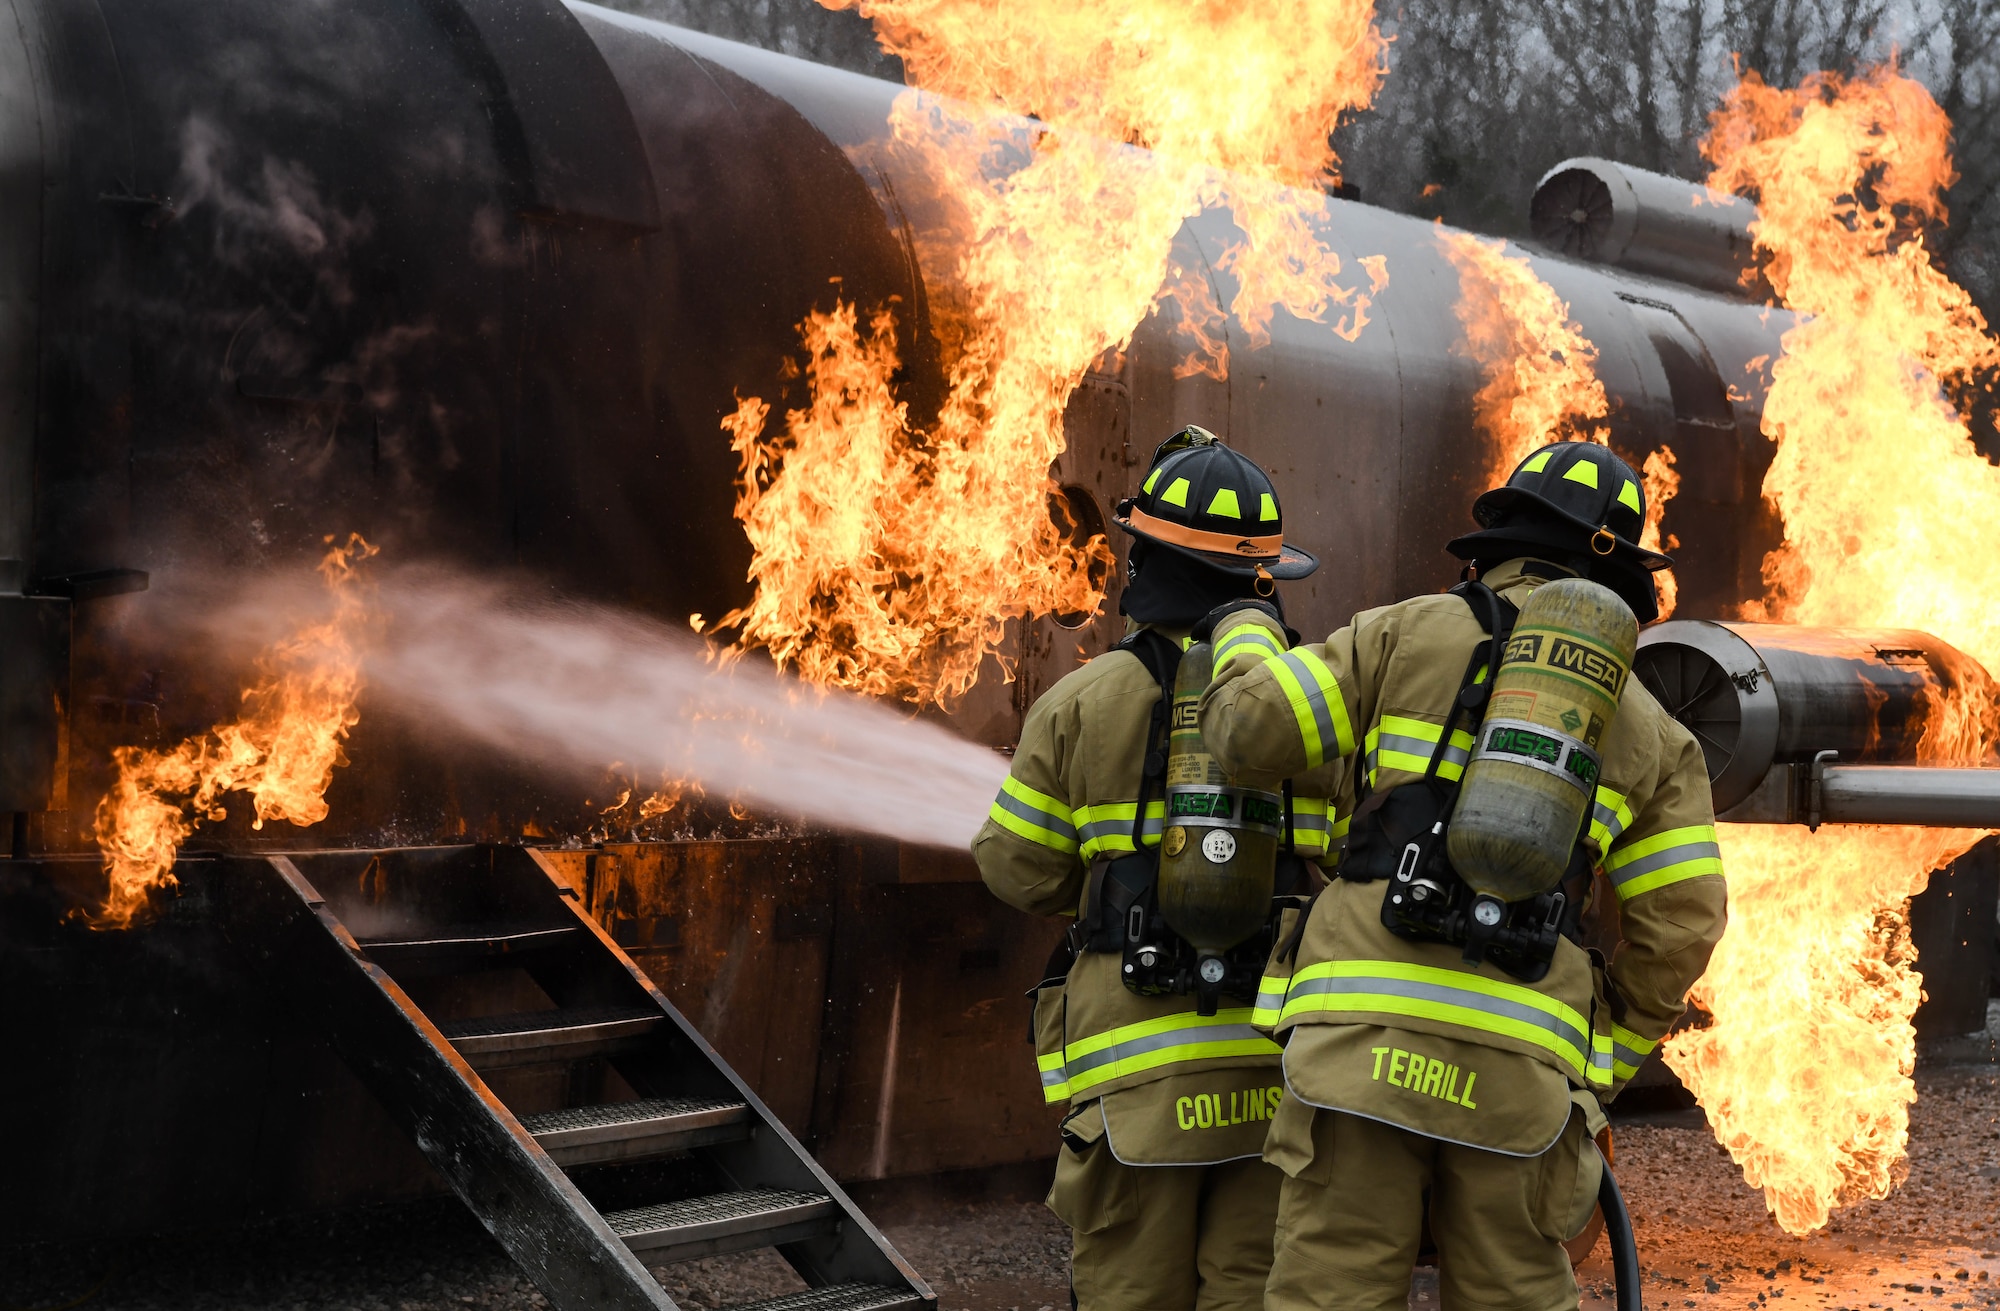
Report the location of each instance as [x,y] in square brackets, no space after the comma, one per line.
[1486,95]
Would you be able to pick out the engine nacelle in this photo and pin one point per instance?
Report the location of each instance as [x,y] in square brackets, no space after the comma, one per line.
[1823,725]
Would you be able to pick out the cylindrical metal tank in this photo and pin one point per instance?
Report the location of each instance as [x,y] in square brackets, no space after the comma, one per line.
[1759,696]
[1659,226]
[480,279]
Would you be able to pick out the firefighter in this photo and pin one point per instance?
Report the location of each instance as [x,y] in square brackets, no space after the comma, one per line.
[1160,1174]
[1421,1086]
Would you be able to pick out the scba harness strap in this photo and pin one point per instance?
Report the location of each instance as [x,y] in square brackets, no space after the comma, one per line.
[1398,834]
[1121,912]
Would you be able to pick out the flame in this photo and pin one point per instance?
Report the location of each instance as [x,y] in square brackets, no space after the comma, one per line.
[1663,483]
[1805,1067]
[1540,370]
[1541,374]
[887,555]
[667,798]
[282,750]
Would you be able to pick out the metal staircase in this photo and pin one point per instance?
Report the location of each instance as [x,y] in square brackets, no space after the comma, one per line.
[569,1105]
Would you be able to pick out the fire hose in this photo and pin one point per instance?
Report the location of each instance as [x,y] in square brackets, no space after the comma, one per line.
[1624,1248]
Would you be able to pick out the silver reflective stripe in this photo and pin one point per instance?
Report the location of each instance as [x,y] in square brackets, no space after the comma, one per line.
[1626,1056]
[1563,767]
[1099,829]
[1131,1047]
[1432,992]
[1613,825]
[1660,860]
[1246,637]
[1416,746]
[1040,818]
[1329,738]
[1055,1078]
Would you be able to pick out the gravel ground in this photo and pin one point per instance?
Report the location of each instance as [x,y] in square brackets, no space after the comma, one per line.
[1705,1238]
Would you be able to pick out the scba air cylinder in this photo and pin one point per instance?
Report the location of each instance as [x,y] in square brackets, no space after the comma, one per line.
[1219,850]
[1533,774]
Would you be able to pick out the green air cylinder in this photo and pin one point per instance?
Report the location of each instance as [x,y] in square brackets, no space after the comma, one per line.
[1533,773]
[1219,851]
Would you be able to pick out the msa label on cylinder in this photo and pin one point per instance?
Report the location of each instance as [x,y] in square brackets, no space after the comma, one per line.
[1567,655]
[1540,748]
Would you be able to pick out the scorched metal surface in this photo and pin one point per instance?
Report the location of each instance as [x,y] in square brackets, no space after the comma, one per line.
[480,279]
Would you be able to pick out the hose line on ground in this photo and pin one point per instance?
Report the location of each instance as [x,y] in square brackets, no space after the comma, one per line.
[1624,1249]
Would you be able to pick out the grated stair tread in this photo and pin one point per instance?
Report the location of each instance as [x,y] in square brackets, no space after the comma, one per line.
[598,1117]
[715,1207]
[837,1297]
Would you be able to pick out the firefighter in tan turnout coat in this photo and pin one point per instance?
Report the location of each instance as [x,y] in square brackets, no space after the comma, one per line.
[1159,1176]
[1413,1078]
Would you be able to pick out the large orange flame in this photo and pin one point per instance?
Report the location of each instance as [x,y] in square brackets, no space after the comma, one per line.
[1663,483]
[282,750]
[1805,1067]
[1540,372]
[888,558]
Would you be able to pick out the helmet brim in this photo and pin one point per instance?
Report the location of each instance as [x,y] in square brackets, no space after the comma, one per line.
[1626,575]
[1290,562]
[1495,506]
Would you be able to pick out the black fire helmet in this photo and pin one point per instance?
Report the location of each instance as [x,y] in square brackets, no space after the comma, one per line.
[1203,500]
[1580,500]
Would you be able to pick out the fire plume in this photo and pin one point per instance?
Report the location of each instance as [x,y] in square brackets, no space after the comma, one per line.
[1067,144]
[1541,373]
[1663,483]
[1805,1067]
[282,750]
[1540,370]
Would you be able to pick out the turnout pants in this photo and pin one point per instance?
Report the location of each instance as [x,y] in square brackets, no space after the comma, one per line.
[1349,1220]
[1166,1237]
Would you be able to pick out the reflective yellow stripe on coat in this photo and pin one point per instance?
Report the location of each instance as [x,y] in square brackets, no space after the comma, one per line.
[1149,1045]
[1609,817]
[1270,1007]
[1454,997]
[1600,1060]
[1253,639]
[1397,742]
[1109,827]
[1664,858]
[1033,815]
[1315,831]
[1314,695]
[1629,1051]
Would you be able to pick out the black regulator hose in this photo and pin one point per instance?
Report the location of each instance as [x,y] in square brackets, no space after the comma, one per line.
[1624,1248]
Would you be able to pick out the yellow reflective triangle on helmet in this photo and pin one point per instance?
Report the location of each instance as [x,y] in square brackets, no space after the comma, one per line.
[1269,513]
[1223,504]
[1176,493]
[1537,462]
[1583,471]
[1628,495]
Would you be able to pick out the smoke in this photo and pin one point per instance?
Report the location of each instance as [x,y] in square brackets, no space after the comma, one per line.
[578,687]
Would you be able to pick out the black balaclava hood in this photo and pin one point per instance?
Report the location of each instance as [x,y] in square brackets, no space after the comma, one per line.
[1174,590]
